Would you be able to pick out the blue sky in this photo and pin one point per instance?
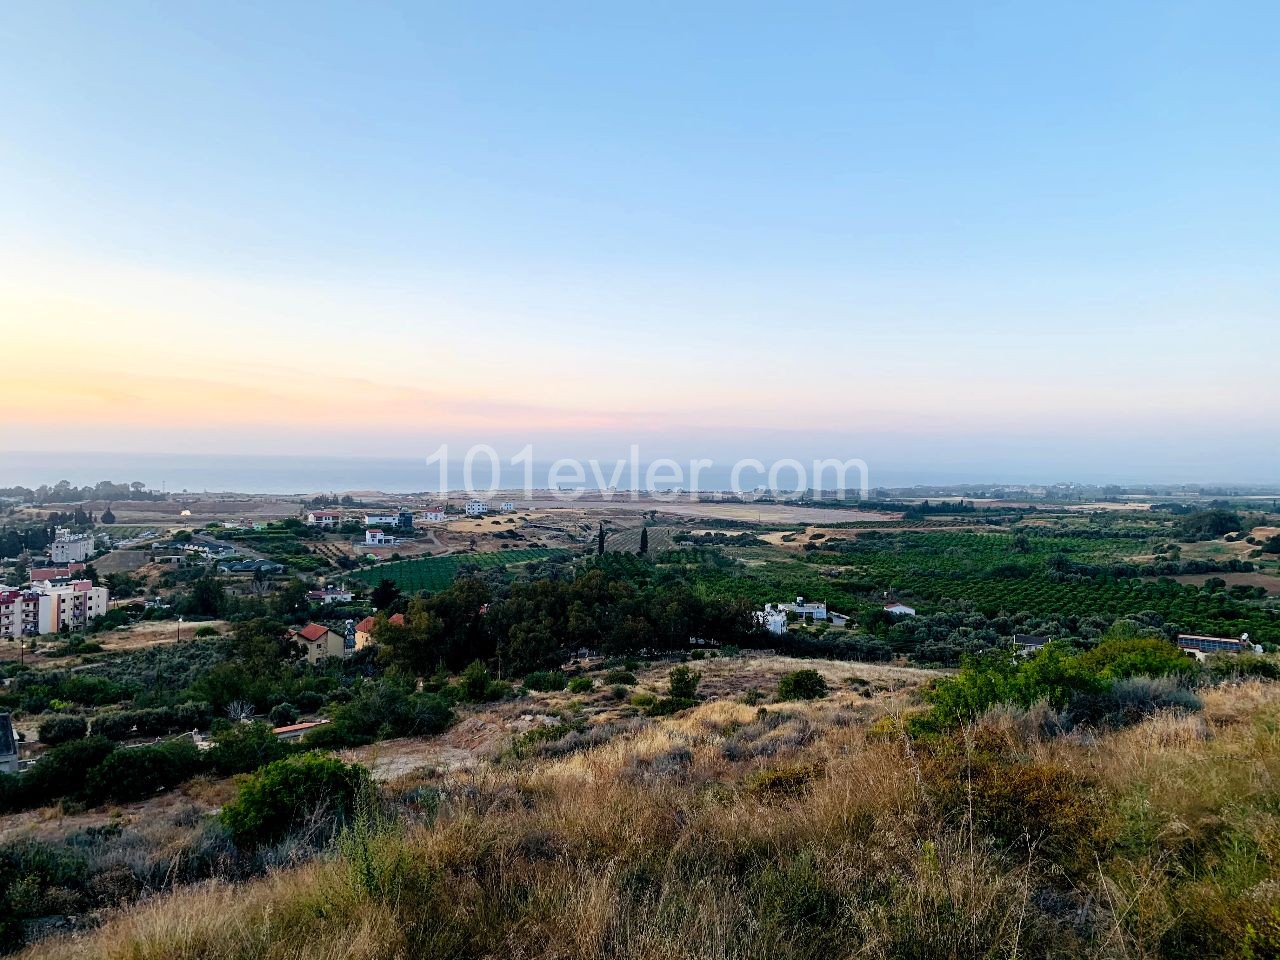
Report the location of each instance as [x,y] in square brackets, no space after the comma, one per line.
[1016,235]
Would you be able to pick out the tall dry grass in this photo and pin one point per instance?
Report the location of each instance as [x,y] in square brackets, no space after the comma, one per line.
[803,832]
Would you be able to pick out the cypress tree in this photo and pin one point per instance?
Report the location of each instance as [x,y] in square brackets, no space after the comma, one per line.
[644,539]
[600,541]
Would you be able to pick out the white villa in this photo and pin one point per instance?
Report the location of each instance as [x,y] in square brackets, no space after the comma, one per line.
[775,616]
[477,508]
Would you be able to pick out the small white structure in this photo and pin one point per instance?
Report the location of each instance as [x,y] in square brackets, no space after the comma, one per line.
[899,610]
[508,507]
[376,538]
[434,514]
[323,518]
[477,508]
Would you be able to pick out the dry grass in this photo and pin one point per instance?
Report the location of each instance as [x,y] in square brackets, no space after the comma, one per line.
[800,831]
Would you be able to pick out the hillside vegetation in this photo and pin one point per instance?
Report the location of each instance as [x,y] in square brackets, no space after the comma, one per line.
[801,829]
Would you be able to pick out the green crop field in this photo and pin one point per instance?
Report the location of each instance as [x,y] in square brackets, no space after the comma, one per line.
[986,571]
[436,573]
[124,531]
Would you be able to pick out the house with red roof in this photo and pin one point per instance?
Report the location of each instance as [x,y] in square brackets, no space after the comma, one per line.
[364,629]
[319,642]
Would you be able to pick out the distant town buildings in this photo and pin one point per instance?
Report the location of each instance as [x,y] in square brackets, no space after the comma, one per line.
[508,507]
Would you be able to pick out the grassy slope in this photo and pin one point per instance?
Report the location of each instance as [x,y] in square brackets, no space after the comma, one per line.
[814,832]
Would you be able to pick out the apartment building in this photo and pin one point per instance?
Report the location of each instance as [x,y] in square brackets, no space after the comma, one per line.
[48,606]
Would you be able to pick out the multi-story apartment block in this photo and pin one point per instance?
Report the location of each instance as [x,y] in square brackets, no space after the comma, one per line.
[72,549]
[48,606]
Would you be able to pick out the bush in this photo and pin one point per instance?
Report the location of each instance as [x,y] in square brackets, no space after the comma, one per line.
[206,631]
[546,681]
[621,676]
[668,705]
[287,793]
[61,729]
[63,771]
[802,685]
[137,773]
[153,722]
[581,685]
[245,747]
[683,683]
[283,714]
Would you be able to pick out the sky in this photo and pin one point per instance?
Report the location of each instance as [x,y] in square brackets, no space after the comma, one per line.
[989,239]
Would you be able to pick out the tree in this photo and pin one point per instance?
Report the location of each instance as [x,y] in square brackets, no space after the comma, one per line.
[107,516]
[644,540]
[600,541]
[385,594]
[683,683]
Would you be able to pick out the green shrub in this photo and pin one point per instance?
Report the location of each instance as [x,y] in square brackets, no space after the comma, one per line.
[245,747]
[546,680]
[63,771]
[289,792]
[138,772]
[802,685]
[283,714]
[581,685]
[669,705]
[643,700]
[621,676]
[60,729]
[206,631]
[683,683]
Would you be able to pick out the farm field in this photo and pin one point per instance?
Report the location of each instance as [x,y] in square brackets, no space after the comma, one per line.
[628,541]
[435,573]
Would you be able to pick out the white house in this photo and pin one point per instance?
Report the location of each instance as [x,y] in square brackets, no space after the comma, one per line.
[376,538]
[774,617]
[434,514]
[477,508]
[508,506]
[899,610]
[330,594]
[381,519]
[324,518]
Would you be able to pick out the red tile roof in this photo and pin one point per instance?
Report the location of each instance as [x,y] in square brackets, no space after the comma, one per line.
[366,625]
[313,632]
